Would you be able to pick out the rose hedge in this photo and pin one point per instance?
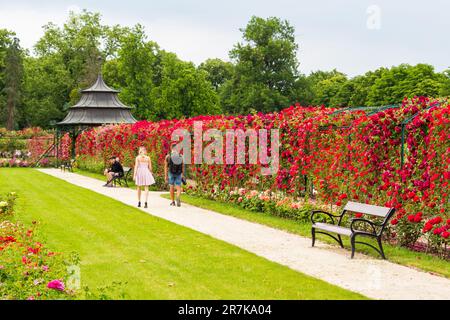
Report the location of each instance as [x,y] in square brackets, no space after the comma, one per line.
[334,157]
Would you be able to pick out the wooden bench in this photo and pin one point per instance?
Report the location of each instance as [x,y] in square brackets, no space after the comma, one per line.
[122,180]
[358,226]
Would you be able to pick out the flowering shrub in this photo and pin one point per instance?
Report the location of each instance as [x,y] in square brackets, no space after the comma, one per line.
[28,269]
[260,201]
[7,204]
[333,157]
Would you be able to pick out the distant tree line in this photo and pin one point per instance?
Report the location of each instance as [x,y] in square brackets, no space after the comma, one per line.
[37,88]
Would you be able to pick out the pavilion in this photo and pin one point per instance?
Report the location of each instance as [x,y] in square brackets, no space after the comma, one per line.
[98,105]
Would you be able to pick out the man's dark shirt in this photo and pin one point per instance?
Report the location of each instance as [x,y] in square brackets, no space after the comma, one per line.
[117,168]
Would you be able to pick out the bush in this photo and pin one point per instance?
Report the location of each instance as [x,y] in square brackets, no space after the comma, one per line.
[7,205]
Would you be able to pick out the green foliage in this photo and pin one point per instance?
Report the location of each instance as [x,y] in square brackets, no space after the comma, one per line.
[184,91]
[445,90]
[47,86]
[11,74]
[265,70]
[134,70]
[218,71]
[157,83]
[402,81]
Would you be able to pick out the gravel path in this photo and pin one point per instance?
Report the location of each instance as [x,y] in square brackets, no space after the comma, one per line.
[371,277]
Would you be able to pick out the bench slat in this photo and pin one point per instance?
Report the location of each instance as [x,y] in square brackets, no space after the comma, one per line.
[332,228]
[367,209]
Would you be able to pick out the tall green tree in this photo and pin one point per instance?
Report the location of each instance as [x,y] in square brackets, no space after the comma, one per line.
[134,71]
[13,81]
[46,90]
[6,38]
[266,67]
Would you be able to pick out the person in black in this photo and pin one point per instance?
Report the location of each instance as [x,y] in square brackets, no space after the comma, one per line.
[174,172]
[116,170]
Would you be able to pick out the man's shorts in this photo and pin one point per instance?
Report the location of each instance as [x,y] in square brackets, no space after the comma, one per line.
[174,179]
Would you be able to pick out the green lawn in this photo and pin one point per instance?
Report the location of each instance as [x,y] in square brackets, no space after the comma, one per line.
[155,258]
[394,253]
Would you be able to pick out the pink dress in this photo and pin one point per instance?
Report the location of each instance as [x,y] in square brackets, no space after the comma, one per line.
[143,175]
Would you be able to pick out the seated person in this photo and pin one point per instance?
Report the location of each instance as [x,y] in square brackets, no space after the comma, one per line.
[116,170]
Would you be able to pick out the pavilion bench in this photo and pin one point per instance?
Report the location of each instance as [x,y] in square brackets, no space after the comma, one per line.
[122,180]
[358,226]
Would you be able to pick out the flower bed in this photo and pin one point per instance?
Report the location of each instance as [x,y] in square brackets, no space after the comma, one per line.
[333,157]
[25,147]
[28,269]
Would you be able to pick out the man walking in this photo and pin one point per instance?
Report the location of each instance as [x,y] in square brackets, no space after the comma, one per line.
[174,172]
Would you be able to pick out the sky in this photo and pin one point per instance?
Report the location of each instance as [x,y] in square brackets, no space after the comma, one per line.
[353,36]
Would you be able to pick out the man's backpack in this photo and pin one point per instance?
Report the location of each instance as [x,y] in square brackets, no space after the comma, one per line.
[175,164]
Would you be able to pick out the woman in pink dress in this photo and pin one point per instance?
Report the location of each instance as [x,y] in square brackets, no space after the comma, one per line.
[143,174]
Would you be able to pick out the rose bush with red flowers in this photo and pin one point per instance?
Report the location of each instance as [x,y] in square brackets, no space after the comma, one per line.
[331,156]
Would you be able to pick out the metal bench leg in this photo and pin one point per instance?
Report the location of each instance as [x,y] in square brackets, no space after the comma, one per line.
[313,234]
[352,241]
[340,241]
[381,248]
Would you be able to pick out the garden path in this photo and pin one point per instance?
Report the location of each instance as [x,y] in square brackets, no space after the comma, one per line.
[369,276]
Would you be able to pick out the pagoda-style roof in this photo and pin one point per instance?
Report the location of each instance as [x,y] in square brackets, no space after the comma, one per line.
[98,105]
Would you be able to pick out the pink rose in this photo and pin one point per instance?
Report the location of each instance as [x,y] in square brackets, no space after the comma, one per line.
[56,285]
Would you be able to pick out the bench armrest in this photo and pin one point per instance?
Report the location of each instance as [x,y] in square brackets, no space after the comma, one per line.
[370,223]
[315,212]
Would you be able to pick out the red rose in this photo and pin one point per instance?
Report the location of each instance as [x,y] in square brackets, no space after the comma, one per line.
[411,218]
[445,234]
[428,226]
[394,222]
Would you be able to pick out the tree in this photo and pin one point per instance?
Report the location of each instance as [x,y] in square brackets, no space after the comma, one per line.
[324,85]
[6,37]
[47,85]
[361,87]
[13,81]
[134,71]
[183,91]
[445,90]
[265,67]
[405,81]
[218,71]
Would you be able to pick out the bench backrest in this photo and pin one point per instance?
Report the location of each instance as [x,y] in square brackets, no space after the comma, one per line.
[126,169]
[368,209]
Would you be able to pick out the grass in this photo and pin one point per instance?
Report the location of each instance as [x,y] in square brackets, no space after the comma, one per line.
[395,254]
[151,257]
